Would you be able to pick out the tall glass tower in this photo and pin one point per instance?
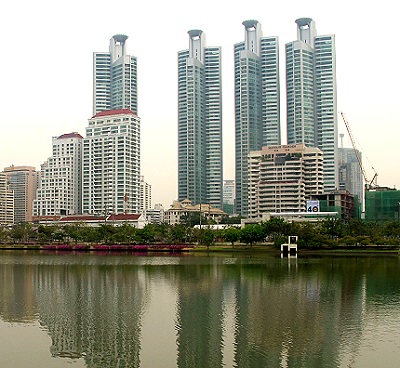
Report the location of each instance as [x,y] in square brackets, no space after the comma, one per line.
[257,111]
[200,122]
[311,95]
[114,78]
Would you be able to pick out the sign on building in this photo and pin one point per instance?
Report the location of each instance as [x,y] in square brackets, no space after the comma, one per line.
[312,206]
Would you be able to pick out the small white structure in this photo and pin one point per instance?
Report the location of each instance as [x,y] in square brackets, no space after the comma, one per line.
[290,248]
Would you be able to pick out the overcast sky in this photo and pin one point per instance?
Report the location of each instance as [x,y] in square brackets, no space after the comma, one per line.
[46,72]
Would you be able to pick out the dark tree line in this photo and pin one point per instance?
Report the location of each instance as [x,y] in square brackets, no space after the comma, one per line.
[328,232]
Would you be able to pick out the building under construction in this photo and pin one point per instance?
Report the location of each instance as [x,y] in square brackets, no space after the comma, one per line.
[382,204]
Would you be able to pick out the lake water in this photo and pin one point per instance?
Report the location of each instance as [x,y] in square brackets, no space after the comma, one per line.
[181,310]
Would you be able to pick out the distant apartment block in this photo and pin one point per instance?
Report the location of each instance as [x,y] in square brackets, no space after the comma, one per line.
[111,163]
[257,103]
[59,191]
[350,175]
[200,122]
[229,196]
[6,202]
[114,78]
[145,196]
[155,215]
[22,180]
[283,177]
[311,95]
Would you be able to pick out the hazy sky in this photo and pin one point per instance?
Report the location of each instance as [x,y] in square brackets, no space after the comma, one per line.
[46,72]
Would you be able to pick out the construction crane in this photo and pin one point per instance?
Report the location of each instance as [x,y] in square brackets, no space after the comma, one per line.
[368,183]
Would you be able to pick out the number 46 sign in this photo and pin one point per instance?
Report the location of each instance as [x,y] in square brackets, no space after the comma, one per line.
[312,206]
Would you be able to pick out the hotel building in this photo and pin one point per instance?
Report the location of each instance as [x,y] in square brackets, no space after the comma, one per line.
[283,178]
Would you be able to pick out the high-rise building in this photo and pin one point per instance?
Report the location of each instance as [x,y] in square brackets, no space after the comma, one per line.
[6,201]
[23,181]
[111,163]
[311,95]
[200,122]
[283,178]
[59,189]
[350,175]
[257,110]
[145,196]
[114,78]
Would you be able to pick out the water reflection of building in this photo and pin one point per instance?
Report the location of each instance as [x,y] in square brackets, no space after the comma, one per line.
[92,312]
[17,296]
[199,317]
[248,313]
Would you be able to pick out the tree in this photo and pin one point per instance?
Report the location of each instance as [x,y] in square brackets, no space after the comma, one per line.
[208,237]
[232,234]
[276,228]
[332,227]
[147,234]
[251,234]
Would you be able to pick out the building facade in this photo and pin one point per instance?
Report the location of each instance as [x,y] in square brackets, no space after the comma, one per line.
[311,95]
[145,196]
[22,181]
[341,201]
[200,122]
[114,78]
[257,101]
[181,211]
[111,163]
[382,204]
[6,202]
[350,175]
[283,178]
[59,191]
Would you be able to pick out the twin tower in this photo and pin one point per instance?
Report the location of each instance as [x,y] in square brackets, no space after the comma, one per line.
[311,110]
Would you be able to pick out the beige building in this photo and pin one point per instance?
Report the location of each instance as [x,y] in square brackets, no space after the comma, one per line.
[23,181]
[182,209]
[6,201]
[283,177]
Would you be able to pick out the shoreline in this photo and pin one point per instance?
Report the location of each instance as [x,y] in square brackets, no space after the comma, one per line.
[196,249]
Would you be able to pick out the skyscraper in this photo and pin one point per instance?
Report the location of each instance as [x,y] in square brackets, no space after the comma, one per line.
[111,163]
[60,178]
[311,95]
[6,201]
[23,181]
[200,122]
[257,110]
[114,78]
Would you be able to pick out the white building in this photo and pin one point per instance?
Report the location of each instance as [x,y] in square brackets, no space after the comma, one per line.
[114,78]
[283,178]
[200,122]
[182,210]
[311,95]
[111,163]
[23,181]
[6,201]
[156,215]
[59,184]
[257,102]
[145,196]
